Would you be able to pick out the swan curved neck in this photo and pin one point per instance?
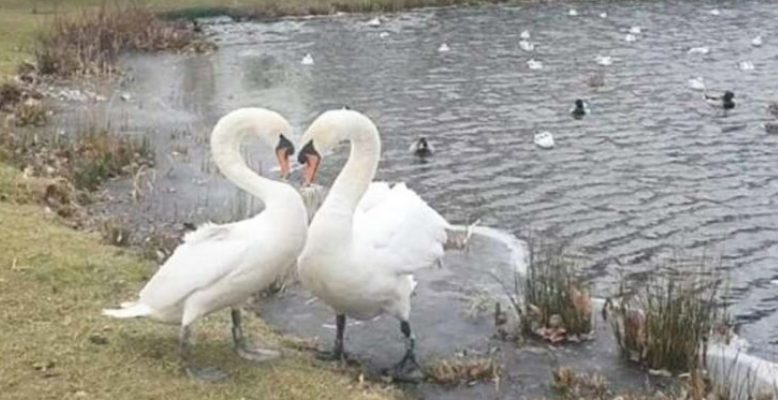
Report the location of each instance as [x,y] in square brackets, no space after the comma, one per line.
[353,181]
[226,139]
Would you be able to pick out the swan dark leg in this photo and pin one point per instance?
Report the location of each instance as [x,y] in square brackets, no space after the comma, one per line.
[337,353]
[242,347]
[408,369]
[207,374]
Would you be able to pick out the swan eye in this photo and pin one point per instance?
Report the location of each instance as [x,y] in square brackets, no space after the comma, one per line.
[285,144]
[307,150]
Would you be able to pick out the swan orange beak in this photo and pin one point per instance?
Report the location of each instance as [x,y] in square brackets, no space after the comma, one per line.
[312,162]
[283,161]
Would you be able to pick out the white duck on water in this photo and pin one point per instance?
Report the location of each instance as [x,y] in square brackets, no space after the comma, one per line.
[220,266]
[367,239]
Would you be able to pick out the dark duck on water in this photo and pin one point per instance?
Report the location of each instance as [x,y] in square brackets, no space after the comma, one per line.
[723,102]
[580,109]
[421,148]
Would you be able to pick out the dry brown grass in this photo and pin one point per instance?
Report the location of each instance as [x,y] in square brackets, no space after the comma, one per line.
[268,9]
[556,298]
[91,42]
[666,324]
[87,159]
[464,371]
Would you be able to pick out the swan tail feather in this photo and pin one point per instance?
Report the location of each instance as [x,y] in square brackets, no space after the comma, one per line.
[132,310]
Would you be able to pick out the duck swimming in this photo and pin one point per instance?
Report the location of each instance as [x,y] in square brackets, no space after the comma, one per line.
[580,109]
[421,148]
[723,102]
[773,109]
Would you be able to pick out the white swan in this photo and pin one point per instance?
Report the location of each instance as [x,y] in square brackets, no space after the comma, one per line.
[375,22]
[525,35]
[526,45]
[366,240]
[444,48]
[630,38]
[757,41]
[635,30]
[307,59]
[220,266]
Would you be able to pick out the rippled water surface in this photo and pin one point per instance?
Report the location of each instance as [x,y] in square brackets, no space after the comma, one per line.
[653,169]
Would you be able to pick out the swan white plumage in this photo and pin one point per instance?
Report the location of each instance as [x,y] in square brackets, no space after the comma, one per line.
[366,240]
[375,22]
[573,12]
[630,38]
[444,48]
[307,59]
[220,266]
[635,30]
[757,41]
[525,35]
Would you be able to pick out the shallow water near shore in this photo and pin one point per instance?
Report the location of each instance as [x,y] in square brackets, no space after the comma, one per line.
[652,170]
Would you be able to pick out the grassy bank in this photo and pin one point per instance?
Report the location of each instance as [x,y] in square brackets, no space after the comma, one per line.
[55,343]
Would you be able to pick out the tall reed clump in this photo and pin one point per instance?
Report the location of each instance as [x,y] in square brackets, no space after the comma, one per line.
[557,304]
[90,43]
[667,323]
[85,159]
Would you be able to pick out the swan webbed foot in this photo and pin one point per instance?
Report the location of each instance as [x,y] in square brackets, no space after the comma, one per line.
[256,354]
[242,347]
[407,370]
[206,374]
[333,355]
[337,353]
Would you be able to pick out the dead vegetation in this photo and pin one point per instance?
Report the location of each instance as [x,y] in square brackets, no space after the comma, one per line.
[457,371]
[271,9]
[574,386]
[696,385]
[74,165]
[556,302]
[666,324]
[90,43]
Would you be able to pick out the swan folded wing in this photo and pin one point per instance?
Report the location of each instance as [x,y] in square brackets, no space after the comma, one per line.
[400,233]
[207,255]
[375,194]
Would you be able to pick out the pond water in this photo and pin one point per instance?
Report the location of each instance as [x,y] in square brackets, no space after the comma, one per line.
[651,171]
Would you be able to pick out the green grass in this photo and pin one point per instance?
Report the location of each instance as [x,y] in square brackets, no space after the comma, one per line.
[55,344]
